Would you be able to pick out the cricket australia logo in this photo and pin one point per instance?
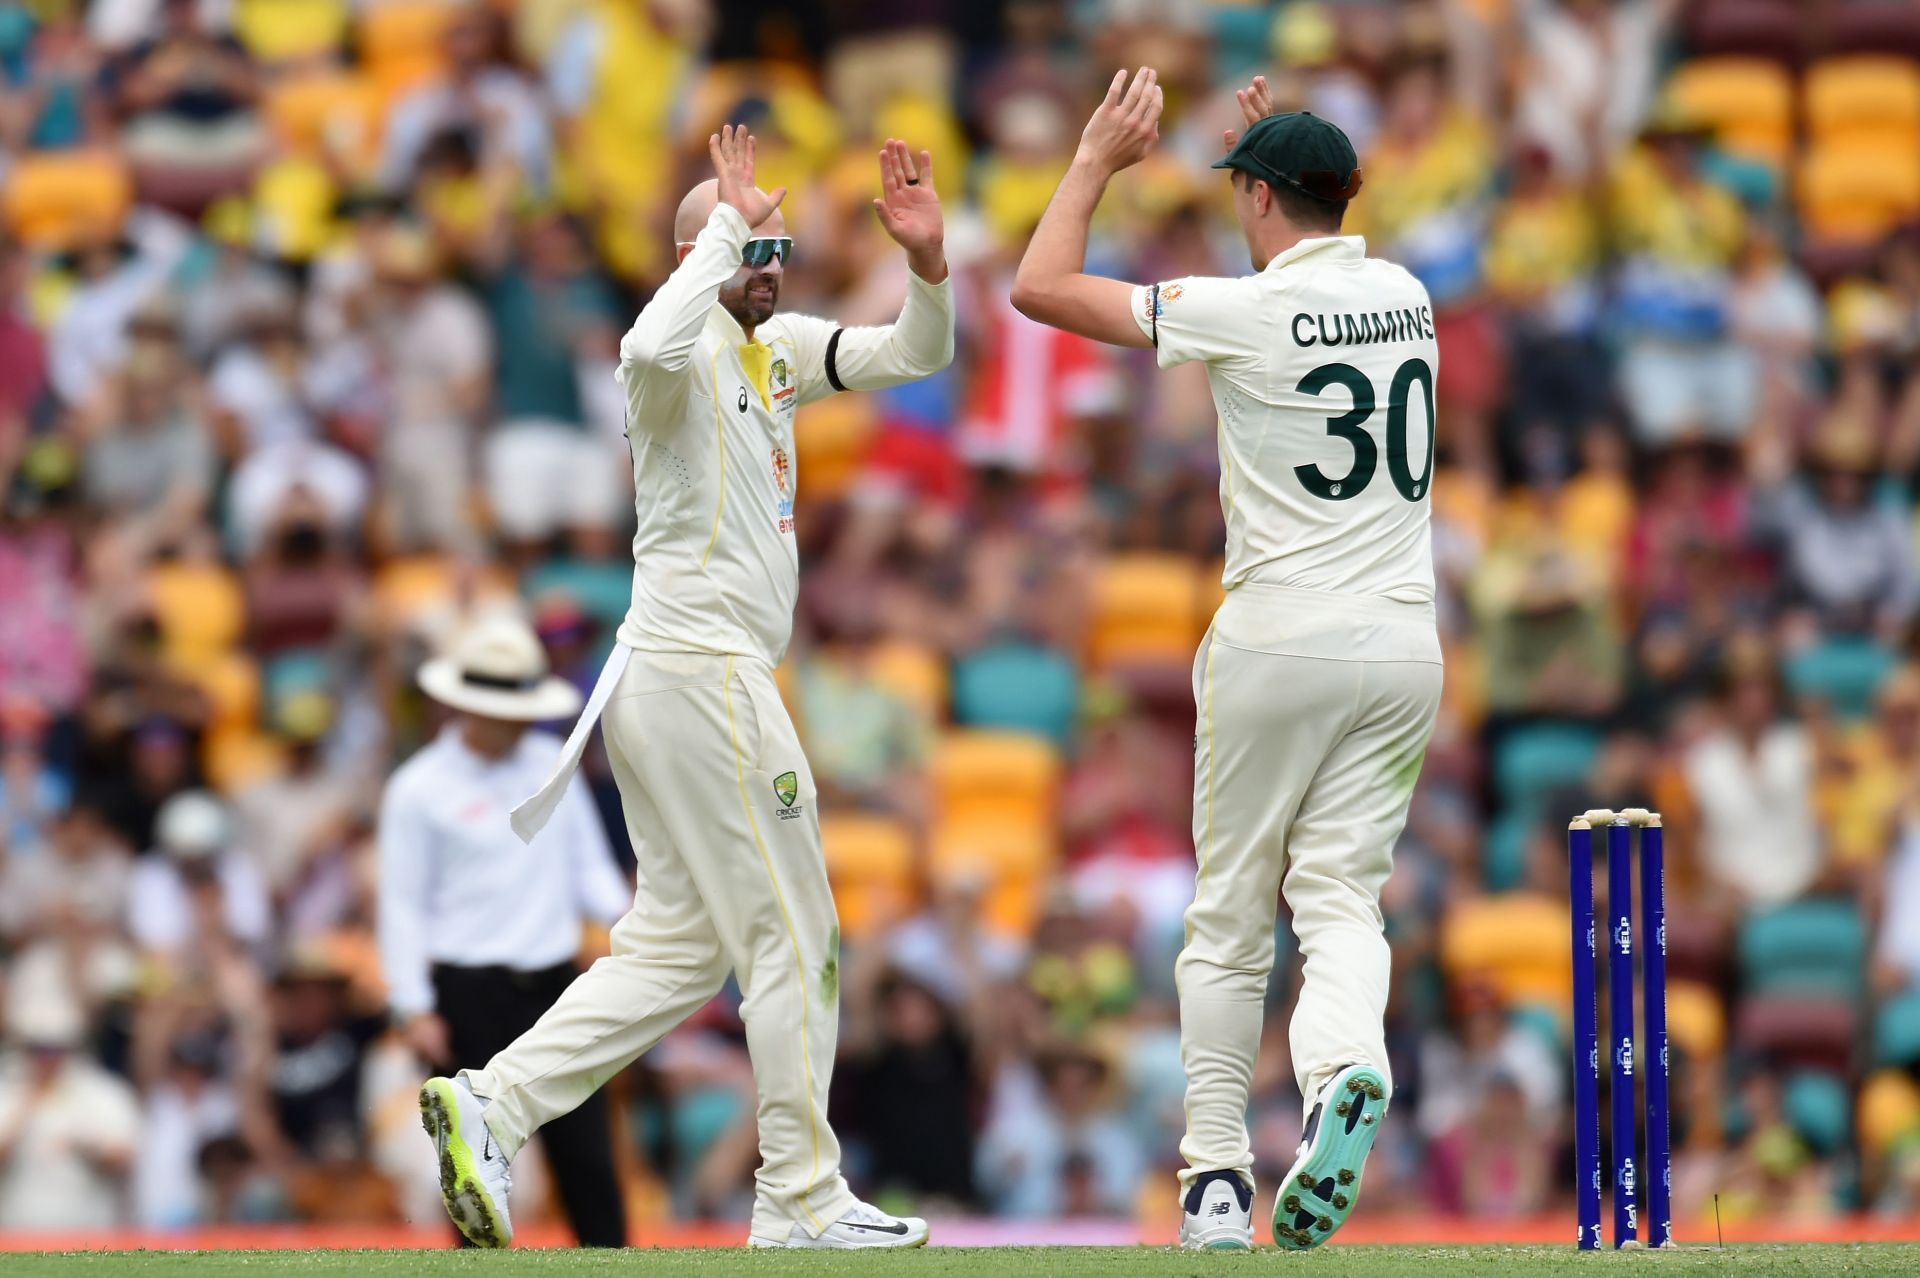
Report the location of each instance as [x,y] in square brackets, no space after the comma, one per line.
[782,374]
[786,788]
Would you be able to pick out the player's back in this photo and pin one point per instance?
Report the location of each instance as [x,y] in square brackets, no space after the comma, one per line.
[1322,367]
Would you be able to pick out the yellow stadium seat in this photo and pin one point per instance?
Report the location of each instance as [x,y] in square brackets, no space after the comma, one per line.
[200,608]
[1856,190]
[234,758]
[1869,94]
[400,42]
[325,113]
[831,437]
[231,683]
[1518,942]
[915,672]
[1889,1110]
[1146,608]
[54,200]
[870,862]
[283,30]
[1696,1019]
[1009,861]
[408,588]
[1005,777]
[1747,101]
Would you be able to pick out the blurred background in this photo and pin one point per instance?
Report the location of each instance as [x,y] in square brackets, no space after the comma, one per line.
[292,290]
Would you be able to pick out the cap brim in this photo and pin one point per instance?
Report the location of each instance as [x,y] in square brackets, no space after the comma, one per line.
[552,698]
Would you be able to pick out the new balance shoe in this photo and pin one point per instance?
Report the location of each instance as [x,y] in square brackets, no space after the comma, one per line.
[1322,1187]
[1217,1213]
[474,1176]
[863,1226]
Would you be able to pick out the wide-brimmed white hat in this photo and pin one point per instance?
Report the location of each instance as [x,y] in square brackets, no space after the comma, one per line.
[498,670]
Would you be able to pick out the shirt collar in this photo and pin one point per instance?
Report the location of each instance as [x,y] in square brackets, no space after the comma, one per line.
[726,328]
[469,759]
[1328,248]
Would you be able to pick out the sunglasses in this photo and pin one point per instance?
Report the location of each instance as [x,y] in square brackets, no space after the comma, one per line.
[761,250]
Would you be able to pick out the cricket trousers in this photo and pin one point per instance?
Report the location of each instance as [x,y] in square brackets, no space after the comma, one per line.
[1305,761]
[723,814]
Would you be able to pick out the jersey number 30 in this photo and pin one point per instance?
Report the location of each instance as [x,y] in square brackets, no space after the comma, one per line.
[1352,427]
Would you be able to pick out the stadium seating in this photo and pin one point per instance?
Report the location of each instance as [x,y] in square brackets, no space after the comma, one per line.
[1809,1030]
[831,438]
[1019,688]
[1888,1110]
[275,31]
[326,113]
[58,199]
[1815,947]
[1748,101]
[1005,777]
[1818,1107]
[1844,672]
[1147,609]
[914,672]
[1854,190]
[1532,760]
[1896,1030]
[1696,1019]
[1008,861]
[870,861]
[199,608]
[1518,941]
[400,42]
[1864,95]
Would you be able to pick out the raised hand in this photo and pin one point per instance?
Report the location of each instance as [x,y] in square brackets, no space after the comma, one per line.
[1126,125]
[1256,104]
[908,206]
[732,152]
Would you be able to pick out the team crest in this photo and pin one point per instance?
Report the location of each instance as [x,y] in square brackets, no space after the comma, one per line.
[786,788]
[780,372]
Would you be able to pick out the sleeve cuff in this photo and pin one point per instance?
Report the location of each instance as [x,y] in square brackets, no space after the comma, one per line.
[730,222]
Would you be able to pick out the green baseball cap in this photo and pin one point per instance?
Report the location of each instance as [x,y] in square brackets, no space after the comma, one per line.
[1300,150]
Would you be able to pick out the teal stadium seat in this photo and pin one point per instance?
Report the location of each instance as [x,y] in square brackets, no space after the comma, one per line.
[1844,672]
[1018,688]
[1896,1030]
[1505,863]
[1818,1107]
[1807,947]
[1541,757]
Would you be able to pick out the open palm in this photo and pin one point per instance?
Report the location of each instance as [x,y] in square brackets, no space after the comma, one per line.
[908,206]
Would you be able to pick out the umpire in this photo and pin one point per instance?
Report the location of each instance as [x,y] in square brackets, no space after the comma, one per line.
[478,931]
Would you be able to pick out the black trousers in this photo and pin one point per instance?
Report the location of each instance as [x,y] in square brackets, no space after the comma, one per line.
[486,1008]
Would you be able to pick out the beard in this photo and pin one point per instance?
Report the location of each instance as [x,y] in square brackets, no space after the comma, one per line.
[751,301]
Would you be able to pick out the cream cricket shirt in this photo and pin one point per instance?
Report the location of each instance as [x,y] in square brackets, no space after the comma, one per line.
[715,564]
[1322,368]
[716,568]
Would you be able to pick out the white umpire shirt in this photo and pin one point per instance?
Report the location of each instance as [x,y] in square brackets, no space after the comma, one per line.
[458,887]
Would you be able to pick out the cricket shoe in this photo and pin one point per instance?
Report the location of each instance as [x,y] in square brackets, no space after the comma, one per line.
[474,1175]
[1218,1213]
[862,1226]
[1321,1188]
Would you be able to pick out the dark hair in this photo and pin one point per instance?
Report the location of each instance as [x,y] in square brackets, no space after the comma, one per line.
[1305,211]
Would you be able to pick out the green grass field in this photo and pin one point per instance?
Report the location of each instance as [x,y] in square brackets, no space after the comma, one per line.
[997,1262]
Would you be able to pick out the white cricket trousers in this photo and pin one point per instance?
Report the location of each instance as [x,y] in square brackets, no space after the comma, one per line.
[723,813]
[1303,770]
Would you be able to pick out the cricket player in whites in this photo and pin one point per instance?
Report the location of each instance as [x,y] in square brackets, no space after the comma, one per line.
[1317,684]
[716,791]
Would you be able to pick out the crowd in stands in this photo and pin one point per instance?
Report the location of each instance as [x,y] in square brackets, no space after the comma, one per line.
[308,317]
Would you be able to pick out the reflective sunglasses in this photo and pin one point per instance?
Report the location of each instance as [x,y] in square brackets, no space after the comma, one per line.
[762,250]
